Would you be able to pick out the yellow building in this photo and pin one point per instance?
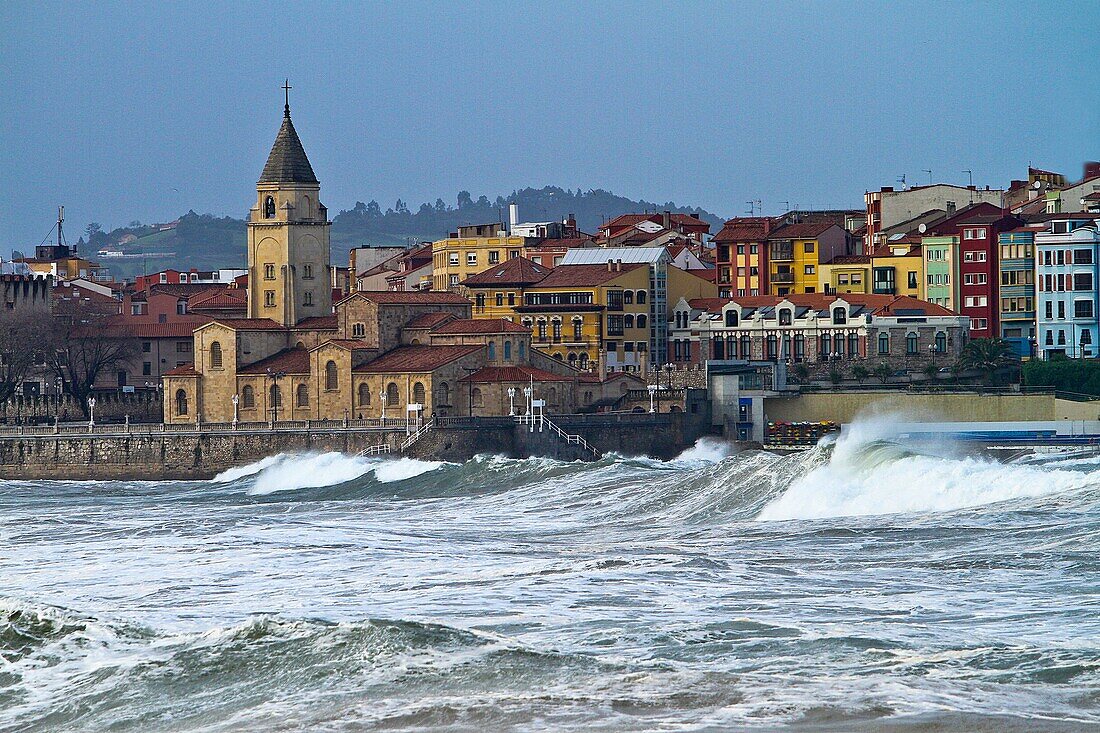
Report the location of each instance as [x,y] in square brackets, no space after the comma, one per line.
[497,291]
[846,274]
[474,249]
[897,268]
[796,251]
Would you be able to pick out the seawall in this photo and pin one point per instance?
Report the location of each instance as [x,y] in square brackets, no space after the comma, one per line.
[143,453]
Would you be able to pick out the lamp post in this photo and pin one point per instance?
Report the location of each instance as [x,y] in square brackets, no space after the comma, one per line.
[91,414]
[511,402]
[236,401]
[932,351]
[527,392]
[382,396]
[275,397]
[652,393]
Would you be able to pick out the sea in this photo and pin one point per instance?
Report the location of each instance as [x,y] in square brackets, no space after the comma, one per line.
[863,585]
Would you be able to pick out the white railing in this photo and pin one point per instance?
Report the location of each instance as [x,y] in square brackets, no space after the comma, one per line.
[541,420]
[376,450]
[420,433]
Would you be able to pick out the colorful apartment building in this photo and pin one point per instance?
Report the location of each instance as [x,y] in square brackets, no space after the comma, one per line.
[498,291]
[941,267]
[797,249]
[846,274]
[1016,268]
[469,251]
[1066,262]
[897,268]
[741,256]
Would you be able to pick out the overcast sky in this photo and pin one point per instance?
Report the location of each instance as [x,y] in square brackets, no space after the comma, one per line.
[128,112]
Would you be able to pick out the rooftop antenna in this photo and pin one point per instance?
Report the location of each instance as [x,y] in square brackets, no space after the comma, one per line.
[752,207]
[901,180]
[970,185]
[786,205]
[60,221]
[929,172]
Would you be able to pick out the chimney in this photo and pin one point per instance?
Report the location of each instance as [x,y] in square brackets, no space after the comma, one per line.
[611,266]
[951,208]
[666,220]
[513,216]
[767,225]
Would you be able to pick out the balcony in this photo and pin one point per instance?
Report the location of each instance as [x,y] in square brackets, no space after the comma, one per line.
[783,278]
[781,253]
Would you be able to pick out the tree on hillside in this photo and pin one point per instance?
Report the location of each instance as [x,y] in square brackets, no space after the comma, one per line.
[20,348]
[988,356]
[82,344]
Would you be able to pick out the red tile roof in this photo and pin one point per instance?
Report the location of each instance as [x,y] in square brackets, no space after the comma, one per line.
[411,297]
[183,290]
[514,374]
[406,359]
[218,298]
[516,271]
[187,370]
[250,324]
[742,230]
[802,229]
[711,305]
[480,325]
[291,361]
[176,329]
[430,320]
[585,275]
[349,344]
[316,323]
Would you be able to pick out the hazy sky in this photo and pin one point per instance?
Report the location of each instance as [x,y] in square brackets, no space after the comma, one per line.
[131,112]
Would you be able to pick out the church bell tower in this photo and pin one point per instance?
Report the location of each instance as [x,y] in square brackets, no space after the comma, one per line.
[288,236]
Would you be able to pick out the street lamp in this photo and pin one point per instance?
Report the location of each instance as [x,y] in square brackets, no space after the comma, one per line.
[511,402]
[652,393]
[382,396]
[275,397]
[527,392]
[932,351]
[91,414]
[236,401]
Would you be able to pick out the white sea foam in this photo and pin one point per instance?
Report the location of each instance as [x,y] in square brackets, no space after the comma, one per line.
[705,450]
[868,475]
[288,472]
[388,471]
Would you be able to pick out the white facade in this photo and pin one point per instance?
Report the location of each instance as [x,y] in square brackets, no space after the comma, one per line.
[1066,268]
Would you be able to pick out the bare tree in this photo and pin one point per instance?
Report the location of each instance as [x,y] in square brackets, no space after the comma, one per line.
[21,352]
[86,342]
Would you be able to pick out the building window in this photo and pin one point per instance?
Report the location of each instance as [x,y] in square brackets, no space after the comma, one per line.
[640,297]
[269,298]
[492,351]
[884,343]
[808,248]
[452,260]
[511,299]
[578,331]
[146,346]
[628,320]
[392,397]
[786,317]
[1082,309]
[248,396]
[494,257]
[628,297]
[808,270]
[301,398]
[181,307]
[181,402]
[853,345]
[642,320]
[418,393]
[269,271]
[269,207]
[453,280]
[479,300]
[358,330]
[215,355]
[1082,281]
[840,315]
[276,396]
[364,395]
[146,369]
[332,380]
[476,398]
[731,318]
[826,345]
[542,330]
[911,344]
[557,332]
[507,349]
[471,259]
[308,298]
[614,325]
[307,271]
[500,299]
[941,342]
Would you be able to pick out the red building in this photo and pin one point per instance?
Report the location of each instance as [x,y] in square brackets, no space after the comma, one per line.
[685,224]
[741,256]
[977,228]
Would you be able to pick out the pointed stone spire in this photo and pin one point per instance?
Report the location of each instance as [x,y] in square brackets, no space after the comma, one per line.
[287,162]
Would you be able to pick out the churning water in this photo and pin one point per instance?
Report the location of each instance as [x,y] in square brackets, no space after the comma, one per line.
[859,586]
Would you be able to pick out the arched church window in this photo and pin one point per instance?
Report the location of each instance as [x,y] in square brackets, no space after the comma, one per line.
[269,207]
[181,402]
[248,396]
[392,397]
[215,355]
[418,393]
[302,397]
[331,377]
[364,395]
[358,330]
[492,351]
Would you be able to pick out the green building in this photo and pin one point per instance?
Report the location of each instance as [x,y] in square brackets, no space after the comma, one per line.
[941,267]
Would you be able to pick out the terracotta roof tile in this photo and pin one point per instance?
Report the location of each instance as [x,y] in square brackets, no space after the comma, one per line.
[406,359]
[316,323]
[516,271]
[584,275]
[291,361]
[521,373]
[250,324]
[429,320]
[802,229]
[411,297]
[187,370]
[479,326]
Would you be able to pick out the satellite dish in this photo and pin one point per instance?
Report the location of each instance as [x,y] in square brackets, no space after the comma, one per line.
[922,228]
[1037,185]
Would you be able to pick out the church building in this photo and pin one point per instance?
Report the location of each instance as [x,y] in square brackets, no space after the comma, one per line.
[297,356]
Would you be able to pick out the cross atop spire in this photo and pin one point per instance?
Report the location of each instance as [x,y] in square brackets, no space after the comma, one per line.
[286,90]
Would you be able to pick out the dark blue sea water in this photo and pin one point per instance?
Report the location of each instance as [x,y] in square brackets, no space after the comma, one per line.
[862,586]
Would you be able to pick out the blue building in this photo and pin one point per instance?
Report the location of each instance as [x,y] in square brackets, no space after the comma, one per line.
[1016,270]
[1067,256]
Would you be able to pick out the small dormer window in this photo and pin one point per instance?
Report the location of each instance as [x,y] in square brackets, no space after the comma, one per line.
[731,318]
[785,317]
[269,207]
[840,315]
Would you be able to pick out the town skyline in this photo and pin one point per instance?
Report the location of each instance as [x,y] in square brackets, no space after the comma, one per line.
[188,134]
